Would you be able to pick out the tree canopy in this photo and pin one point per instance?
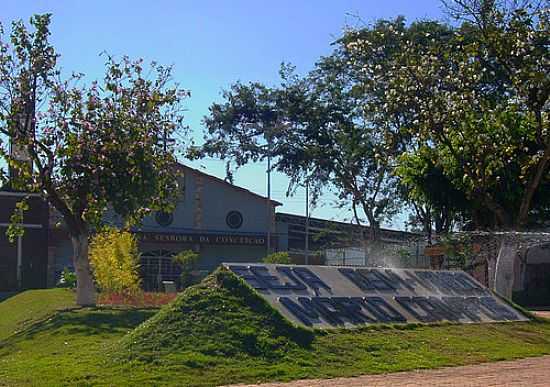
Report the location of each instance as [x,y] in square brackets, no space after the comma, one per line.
[476,95]
[87,148]
[453,119]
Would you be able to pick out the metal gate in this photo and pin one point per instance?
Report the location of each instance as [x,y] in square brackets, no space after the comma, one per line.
[157,266]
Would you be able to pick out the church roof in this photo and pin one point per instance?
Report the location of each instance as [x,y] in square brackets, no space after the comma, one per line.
[233,186]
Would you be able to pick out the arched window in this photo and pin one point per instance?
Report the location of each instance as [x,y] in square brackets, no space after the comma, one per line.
[157,266]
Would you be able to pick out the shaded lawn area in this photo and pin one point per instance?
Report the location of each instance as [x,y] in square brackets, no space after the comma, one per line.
[79,347]
[26,308]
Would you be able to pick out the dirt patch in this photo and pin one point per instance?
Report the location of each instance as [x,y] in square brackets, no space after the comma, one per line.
[532,372]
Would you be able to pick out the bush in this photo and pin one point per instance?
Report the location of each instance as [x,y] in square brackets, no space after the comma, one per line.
[186,260]
[114,258]
[67,279]
[281,258]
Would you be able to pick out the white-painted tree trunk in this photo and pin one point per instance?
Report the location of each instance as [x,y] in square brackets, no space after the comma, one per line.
[504,271]
[491,269]
[85,289]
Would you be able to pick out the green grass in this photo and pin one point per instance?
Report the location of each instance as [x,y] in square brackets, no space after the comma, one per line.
[221,332]
[27,308]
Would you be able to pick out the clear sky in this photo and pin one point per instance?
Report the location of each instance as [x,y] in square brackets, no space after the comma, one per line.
[213,44]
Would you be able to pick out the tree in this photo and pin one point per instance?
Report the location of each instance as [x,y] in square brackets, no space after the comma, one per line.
[317,131]
[91,148]
[438,206]
[376,51]
[479,99]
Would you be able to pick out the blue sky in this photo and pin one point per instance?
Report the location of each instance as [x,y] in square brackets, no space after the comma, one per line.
[211,45]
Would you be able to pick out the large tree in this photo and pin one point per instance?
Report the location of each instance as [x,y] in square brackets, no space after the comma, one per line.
[479,99]
[317,131]
[427,193]
[92,148]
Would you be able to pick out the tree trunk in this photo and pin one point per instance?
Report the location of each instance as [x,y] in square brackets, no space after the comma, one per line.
[85,288]
[532,185]
[504,272]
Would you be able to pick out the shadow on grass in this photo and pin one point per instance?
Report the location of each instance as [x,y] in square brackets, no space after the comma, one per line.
[87,322]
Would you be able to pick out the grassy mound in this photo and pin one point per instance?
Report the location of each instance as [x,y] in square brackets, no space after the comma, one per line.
[220,317]
[222,332]
[27,308]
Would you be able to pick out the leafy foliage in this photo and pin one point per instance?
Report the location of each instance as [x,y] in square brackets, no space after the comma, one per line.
[15,228]
[477,96]
[114,257]
[280,257]
[317,131]
[187,260]
[67,279]
[454,119]
[437,204]
[91,147]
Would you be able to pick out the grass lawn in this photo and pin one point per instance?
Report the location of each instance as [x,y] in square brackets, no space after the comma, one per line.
[220,332]
[27,308]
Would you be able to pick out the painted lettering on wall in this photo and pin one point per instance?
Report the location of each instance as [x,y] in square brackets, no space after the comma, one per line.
[207,239]
[322,296]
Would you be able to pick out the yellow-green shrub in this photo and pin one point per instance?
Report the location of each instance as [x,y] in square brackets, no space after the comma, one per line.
[114,258]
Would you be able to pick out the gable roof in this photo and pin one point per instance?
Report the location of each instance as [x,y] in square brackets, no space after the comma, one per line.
[233,186]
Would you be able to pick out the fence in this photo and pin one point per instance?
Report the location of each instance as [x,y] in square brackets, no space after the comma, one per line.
[396,255]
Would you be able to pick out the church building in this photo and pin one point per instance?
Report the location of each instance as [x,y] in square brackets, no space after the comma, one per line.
[220,221]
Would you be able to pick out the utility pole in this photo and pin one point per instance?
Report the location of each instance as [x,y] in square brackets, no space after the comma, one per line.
[306,255]
[269,207]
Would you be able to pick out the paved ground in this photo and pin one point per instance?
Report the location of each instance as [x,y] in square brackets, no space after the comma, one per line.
[533,372]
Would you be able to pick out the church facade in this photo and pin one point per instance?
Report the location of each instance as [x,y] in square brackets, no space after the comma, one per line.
[220,221]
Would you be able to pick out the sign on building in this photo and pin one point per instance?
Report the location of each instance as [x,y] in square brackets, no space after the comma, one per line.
[197,238]
[330,297]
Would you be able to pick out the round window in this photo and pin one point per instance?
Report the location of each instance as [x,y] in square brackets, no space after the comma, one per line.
[164,218]
[234,219]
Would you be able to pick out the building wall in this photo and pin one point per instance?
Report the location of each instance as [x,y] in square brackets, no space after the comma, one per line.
[532,277]
[33,244]
[61,255]
[201,210]
[213,256]
[205,203]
